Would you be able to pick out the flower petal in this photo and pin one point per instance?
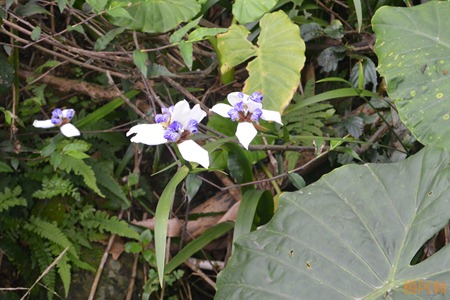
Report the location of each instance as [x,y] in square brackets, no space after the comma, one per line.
[68,113]
[271,115]
[197,113]
[191,151]
[252,105]
[43,124]
[181,112]
[245,133]
[69,130]
[149,134]
[222,109]
[237,97]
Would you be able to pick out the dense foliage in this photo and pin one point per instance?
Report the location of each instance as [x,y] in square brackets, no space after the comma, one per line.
[154,128]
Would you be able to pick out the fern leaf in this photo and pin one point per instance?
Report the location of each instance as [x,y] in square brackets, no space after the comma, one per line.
[10,198]
[56,186]
[64,273]
[79,167]
[43,257]
[102,222]
[50,232]
[109,185]
[309,120]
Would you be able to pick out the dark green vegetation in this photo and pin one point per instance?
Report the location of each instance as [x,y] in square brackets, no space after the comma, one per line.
[66,202]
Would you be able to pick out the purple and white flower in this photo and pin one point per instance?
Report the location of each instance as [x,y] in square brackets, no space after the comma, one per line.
[60,118]
[175,124]
[246,110]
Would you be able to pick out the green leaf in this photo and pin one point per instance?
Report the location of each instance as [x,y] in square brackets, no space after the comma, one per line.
[203,32]
[62,5]
[234,47]
[162,217]
[411,47]
[30,9]
[119,12]
[36,33]
[358,11]
[335,240]
[179,34]
[4,168]
[102,42]
[297,180]
[275,72]
[247,210]
[141,61]
[133,247]
[246,11]
[157,16]
[186,50]
[329,58]
[207,237]
[97,5]
[193,183]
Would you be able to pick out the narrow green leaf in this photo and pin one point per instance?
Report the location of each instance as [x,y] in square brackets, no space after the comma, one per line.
[141,61]
[30,9]
[161,219]
[36,33]
[193,183]
[204,32]
[4,168]
[104,110]
[208,236]
[186,50]
[358,11]
[102,42]
[247,210]
[297,180]
[239,165]
[178,35]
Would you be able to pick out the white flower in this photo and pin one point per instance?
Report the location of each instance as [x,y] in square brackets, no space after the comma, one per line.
[60,118]
[174,124]
[246,110]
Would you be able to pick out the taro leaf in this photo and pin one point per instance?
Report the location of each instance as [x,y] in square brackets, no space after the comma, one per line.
[275,72]
[157,16]
[412,48]
[350,235]
[246,11]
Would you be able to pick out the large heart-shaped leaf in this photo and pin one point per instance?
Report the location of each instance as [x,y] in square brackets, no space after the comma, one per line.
[157,15]
[413,46]
[275,71]
[350,235]
[251,10]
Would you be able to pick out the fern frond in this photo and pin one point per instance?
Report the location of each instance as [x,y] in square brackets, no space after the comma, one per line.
[78,166]
[109,185]
[57,186]
[10,198]
[309,120]
[102,222]
[43,258]
[64,273]
[50,232]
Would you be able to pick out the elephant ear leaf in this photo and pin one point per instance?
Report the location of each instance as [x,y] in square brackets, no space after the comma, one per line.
[335,240]
[412,48]
[276,62]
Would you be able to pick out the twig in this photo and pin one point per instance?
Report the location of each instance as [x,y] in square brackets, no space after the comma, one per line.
[200,273]
[102,264]
[125,99]
[185,92]
[133,277]
[46,271]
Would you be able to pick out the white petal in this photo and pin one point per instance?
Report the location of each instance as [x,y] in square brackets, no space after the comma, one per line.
[197,113]
[69,130]
[181,112]
[66,112]
[271,115]
[245,133]
[222,109]
[149,134]
[252,105]
[43,124]
[233,98]
[191,151]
